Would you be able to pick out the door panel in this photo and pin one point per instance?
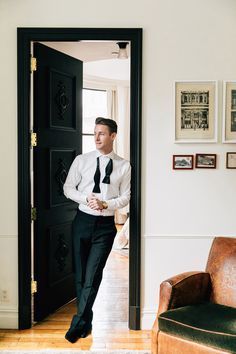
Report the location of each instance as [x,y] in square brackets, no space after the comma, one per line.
[60,258]
[59,160]
[62,98]
[57,122]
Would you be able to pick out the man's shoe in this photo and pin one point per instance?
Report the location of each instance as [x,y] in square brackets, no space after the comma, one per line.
[72,335]
[86,331]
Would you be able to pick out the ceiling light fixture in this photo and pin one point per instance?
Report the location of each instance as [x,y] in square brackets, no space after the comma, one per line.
[122,54]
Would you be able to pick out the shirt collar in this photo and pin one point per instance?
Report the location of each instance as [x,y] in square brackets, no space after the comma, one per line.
[111,155]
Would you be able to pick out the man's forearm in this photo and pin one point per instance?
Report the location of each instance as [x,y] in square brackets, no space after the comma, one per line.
[118,203]
[74,194]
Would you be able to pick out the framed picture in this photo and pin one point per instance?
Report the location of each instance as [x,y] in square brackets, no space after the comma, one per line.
[195,111]
[205,161]
[229,112]
[183,162]
[231,160]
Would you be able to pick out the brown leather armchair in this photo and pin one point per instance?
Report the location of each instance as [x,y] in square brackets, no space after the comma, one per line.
[197,310]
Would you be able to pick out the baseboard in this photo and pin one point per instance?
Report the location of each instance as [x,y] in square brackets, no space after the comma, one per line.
[148,317]
[8,319]
[177,237]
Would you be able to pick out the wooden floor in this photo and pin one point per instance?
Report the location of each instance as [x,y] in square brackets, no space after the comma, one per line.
[110,324]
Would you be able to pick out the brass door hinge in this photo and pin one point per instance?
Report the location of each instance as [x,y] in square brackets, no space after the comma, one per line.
[33,64]
[33,139]
[33,286]
[33,214]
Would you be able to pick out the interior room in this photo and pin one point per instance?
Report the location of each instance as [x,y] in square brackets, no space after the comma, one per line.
[187,123]
[106,93]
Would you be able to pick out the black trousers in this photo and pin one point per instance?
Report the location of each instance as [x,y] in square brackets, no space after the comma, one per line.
[93,237]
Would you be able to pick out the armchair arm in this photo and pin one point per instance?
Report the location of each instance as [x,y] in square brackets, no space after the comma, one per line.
[181,290]
[184,289]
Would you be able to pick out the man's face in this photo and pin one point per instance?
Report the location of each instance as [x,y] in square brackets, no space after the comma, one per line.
[103,138]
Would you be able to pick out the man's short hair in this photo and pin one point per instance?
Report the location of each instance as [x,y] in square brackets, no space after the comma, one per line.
[109,122]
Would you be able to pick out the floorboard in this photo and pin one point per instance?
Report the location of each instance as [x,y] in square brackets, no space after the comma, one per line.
[110,324]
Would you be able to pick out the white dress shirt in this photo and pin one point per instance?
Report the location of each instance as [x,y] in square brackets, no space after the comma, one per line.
[80,182]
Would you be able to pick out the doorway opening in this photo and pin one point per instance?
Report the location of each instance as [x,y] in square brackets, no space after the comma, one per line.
[25,37]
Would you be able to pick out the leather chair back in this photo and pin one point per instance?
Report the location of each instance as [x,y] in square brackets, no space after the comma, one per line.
[221,265]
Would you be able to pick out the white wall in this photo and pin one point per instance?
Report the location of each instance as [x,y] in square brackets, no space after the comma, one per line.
[183,40]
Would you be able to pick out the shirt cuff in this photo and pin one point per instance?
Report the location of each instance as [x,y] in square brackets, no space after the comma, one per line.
[110,204]
[84,200]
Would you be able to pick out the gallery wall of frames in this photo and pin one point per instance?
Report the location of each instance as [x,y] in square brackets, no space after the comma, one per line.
[196,121]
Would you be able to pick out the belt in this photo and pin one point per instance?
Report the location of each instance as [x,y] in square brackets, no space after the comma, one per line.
[95,217]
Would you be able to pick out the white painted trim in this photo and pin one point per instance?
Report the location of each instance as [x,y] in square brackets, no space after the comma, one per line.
[9,309]
[8,236]
[190,237]
[148,316]
[8,319]
[149,311]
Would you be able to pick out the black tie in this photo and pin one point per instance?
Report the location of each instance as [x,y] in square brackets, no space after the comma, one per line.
[97,176]
[108,171]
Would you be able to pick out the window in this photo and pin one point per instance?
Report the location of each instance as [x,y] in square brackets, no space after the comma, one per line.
[94,105]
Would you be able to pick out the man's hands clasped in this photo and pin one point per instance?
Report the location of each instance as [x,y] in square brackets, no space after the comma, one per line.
[94,203]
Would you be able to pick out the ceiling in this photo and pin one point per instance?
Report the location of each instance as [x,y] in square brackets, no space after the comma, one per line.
[88,50]
[99,58]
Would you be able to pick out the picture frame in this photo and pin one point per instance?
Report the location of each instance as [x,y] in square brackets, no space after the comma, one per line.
[195,111]
[229,112]
[231,159]
[183,162]
[205,160]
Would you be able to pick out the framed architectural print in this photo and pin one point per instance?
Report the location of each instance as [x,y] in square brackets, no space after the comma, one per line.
[182,162]
[229,112]
[231,160]
[205,161]
[195,111]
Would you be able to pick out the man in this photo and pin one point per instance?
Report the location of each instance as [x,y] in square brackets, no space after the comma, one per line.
[100,182]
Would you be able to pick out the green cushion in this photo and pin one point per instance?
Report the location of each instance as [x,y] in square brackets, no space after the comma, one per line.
[210,324]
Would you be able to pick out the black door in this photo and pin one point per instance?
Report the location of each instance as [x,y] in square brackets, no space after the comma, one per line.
[57,122]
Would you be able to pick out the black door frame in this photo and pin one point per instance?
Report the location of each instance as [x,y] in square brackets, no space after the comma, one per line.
[24,38]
